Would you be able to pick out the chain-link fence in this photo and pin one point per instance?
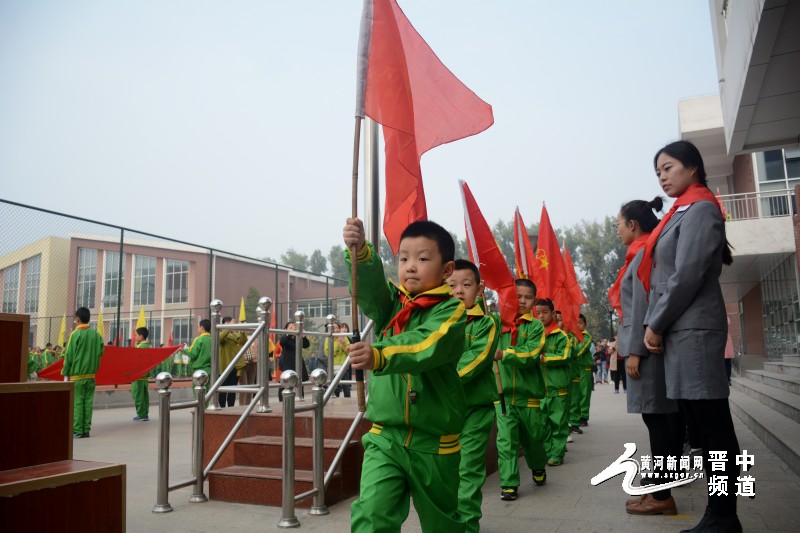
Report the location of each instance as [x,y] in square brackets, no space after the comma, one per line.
[52,263]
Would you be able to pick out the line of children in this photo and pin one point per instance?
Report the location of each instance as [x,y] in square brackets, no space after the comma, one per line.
[141,399]
[81,362]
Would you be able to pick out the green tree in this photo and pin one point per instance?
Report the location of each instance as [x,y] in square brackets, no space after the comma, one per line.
[336,260]
[317,262]
[294,259]
[251,303]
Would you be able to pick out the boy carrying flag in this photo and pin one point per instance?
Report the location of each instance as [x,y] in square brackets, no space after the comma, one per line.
[416,400]
[141,400]
[480,388]
[555,405]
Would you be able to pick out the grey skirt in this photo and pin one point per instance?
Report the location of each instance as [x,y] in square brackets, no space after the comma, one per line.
[694,364]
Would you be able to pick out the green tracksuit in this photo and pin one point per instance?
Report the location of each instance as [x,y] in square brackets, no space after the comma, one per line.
[574,396]
[200,353]
[416,404]
[81,362]
[523,389]
[141,399]
[557,376]
[476,369]
[584,358]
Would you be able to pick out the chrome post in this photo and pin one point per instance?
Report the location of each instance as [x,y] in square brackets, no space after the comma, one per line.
[299,320]
[318,379]
[264,315]
[289,381]
[199,379]
[163,383]
[216,306]
[330,322]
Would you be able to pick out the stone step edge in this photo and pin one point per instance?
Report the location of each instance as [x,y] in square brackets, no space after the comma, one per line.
[785,397]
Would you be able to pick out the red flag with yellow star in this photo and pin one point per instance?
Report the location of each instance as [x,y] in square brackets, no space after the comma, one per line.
[548,271]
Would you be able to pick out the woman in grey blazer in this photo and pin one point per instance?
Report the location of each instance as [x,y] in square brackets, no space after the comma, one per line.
[686,320]
[647,392]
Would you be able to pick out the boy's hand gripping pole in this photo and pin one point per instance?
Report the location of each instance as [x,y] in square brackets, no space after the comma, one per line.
[362,401]
[500,388]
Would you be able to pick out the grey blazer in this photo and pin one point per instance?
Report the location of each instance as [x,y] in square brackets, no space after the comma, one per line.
[686,304]
[648,394]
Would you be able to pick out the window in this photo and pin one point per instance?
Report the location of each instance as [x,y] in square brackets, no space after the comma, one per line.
[10,288]
[342,307]
[32,267]
[154,333]
[181,330]
[87,277]
[177,282]
[792,163]
[773,165]
[144,280]
[111,279]
[312,308]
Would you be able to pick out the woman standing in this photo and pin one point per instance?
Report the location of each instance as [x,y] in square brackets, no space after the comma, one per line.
[647,391]
[686,320]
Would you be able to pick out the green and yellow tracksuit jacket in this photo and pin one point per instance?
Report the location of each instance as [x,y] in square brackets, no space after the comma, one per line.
[520,371]
[82,354]
[415,394]
[476,367]
[143,345]
[556,363]
[200,352]
[584,355]
[574,367]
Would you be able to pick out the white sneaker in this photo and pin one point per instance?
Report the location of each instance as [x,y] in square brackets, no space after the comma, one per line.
[570,439]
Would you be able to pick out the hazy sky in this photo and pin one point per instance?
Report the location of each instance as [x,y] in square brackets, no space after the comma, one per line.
[230,124]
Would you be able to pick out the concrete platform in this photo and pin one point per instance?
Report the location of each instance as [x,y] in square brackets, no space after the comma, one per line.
[567,503]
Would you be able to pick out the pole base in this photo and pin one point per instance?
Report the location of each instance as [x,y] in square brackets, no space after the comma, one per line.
[165,508]
[198,498]
[319,511]
[289,522]
[263,409]
[212,407]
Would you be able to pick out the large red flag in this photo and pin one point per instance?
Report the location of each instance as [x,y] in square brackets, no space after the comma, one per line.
[486,254]
[569,300]
[420,103]
[548,270]
[118,365]
[523,250]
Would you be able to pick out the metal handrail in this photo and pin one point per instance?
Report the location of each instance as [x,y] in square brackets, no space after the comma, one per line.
[762,204]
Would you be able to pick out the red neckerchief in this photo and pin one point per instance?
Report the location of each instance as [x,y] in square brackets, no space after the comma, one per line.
[695,193]
[410,303]
[614,291]
[515,327]
[549,329]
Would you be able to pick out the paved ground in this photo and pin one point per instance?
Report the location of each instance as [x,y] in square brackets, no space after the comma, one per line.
[567,503]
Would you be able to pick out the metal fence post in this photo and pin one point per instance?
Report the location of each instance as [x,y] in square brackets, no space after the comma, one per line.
[288,519]
[262,368]
[199,379]
[216,306]
[163,383]
[299,320]
[331,322]
[318,378]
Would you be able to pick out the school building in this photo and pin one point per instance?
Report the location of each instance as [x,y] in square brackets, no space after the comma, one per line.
[749,135]
[174,284]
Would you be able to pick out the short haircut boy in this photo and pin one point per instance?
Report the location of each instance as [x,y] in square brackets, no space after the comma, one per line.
[205,324]
[522,282]
[463,264]
[143,332]
[546,302]
[83,315]
[432,230]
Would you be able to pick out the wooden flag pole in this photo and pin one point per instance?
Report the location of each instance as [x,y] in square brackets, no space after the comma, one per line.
[362,402]
[496,364]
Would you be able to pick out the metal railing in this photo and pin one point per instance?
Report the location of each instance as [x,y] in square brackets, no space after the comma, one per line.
[752,205]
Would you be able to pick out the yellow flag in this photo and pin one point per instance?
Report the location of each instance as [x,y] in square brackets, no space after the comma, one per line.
[62,331]
[242,314]
[142,322]
[101,328]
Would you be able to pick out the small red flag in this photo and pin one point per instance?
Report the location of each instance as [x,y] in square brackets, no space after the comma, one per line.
[523,250]
[548,269]
[403,86]
[486,254]
[569,299]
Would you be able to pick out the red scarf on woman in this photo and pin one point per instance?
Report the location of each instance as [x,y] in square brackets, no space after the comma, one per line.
[614,292]
[695,193]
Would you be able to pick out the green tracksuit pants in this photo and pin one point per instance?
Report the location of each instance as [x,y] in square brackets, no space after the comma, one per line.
[556,413]
[575,395]
[472,469]
[141,399]
[519,426]
[82,411]
[587,380]
[391,475]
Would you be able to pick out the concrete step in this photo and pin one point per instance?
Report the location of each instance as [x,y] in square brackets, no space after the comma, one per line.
[267,451]
[779,433]
[786,403]
[779,367]
[263,486]
[780,381]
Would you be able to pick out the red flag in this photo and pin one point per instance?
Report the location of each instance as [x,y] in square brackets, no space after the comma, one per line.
[420,103]
[118,365]
[523,250]
[570,298]
[548,270]
[486,254]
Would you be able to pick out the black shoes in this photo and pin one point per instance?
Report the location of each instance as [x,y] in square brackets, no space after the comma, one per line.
[539,478]
[716,524]
[508,494]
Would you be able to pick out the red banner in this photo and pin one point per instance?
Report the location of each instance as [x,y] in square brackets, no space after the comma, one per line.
[118,365]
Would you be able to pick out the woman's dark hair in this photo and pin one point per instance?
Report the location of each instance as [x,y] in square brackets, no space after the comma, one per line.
[690,157]
[643,212]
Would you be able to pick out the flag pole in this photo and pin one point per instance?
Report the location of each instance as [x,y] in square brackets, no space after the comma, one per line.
[362,404]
